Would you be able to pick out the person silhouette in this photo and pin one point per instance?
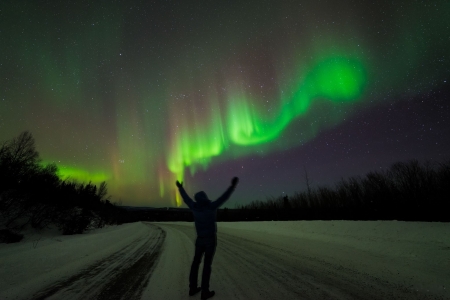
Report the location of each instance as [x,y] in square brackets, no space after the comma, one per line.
[204,211]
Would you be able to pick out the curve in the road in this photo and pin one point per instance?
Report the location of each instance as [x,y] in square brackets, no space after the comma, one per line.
[123,275]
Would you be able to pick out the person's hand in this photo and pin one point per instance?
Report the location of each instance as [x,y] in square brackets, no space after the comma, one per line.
[234,181]
[179,185]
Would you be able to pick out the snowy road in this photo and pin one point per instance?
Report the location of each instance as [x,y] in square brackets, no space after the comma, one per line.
[109,263]
[254,260]
[260,265]
[122,275]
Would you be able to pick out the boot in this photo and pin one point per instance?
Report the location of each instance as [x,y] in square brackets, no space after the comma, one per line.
[193,291]
[207,294]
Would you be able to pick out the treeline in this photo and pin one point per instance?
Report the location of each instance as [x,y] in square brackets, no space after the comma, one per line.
[408,191]
[33,194]
[166,214]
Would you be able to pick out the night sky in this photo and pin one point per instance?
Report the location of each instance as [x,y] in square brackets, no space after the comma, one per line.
[142,93]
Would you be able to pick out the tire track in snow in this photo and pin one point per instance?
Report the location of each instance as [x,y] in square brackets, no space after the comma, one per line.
[252,265]
[273,269]
[276,270]
[122,275]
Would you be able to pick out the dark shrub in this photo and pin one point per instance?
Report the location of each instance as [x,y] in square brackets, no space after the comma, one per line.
[8,236]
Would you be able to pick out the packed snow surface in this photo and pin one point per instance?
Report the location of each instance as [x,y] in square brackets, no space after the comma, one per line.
[253,260]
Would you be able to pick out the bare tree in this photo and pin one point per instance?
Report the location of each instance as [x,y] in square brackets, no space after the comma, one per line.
[103,191]
[19,155]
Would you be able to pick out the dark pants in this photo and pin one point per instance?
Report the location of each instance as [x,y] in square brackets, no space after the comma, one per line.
[207,246]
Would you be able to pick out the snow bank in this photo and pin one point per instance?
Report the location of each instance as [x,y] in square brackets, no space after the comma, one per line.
[40,260]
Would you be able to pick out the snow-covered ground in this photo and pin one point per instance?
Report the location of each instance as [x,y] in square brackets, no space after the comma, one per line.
[254,260]
[53,266]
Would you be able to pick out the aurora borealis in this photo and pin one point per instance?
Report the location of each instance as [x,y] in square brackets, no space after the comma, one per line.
[142,93]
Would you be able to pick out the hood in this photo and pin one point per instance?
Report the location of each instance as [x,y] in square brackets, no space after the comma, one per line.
[201,198]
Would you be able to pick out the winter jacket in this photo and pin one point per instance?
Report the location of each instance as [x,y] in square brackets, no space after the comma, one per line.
[204,210]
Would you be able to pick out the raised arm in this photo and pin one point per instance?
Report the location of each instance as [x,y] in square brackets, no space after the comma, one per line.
[221,200]
[189,202]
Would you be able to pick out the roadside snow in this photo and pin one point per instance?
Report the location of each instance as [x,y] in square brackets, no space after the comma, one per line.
[28,266]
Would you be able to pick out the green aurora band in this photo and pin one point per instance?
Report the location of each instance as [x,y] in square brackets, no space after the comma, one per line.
[81,175]
[100,88]
[338,79]
[67,172]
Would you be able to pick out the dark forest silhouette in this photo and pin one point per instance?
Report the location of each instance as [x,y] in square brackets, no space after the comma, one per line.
[33,195]
[408,191]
